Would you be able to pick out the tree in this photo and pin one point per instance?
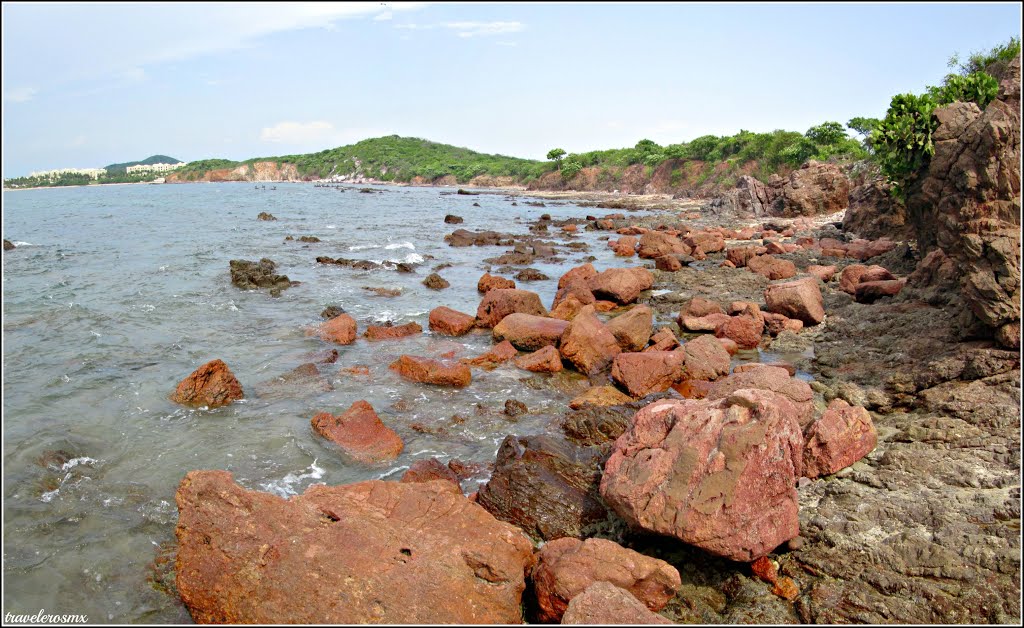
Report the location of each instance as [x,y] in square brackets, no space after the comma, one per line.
[556,154]
[826,134]
[570,169]
[863,126]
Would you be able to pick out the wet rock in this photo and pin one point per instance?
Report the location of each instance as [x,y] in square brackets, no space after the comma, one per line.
[720,475]
[452,219]
[528,332]
[871,291]
[545,485]
[775,324]
[546,360]
[359,433]
[462,237]
[250,557]
[705,359]
[566,567]
[651,371]
[772,267]
[579,273]
[331,311]
[303,381]
[428,371]
[490,282]
[588,344]
[325,356]
[600,396]
[843,435]
[436,282]
[621,285]
[500,302]
[531,274]
[500,353]
[624,246]
[392,332]
[429,470]
[211,385]
[654,244]
[265,216]
[8,245]
[800,299]
[774,379]
[384,292]
[514,407]
[603,603]
[449,322]
[255,275]
[340,329]
[633,329]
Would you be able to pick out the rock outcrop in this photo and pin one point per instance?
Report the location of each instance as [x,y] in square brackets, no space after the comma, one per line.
[814,189]
[211,385]
[254,275]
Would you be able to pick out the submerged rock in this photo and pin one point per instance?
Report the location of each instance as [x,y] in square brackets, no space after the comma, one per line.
[435,282]
[449,322]
[392,332]
[428,371]
[340,329]
[500,302]
[302,381]
[254,275]
[359,433]
[8,245]
[211,385]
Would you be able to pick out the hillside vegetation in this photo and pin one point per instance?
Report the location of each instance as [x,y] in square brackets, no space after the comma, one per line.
[148,161]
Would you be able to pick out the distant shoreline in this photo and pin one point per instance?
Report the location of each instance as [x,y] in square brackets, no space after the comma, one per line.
[61,187]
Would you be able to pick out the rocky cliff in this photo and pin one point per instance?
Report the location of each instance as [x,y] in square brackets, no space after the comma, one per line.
[257,171]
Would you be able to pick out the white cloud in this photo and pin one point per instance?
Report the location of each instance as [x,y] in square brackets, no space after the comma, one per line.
[317,134]
[474,29]
[20,94]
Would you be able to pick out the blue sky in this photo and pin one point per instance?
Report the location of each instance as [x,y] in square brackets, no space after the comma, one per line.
[85,85]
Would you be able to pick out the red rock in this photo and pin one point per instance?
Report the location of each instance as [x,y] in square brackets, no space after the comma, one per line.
[501,352]
[663,340]
[692,388]
[605,225]
[775,324]
[359,433]
[428,371]
[633,329]
[750,366]
[744,330]
[500,302]
[727,264]
[774,379]
[600,396]
[212,385]
[800,299]
[729,345]
[569,228]
[566,567]
[871,291]
[843,435]
[370,552]
[831,243]
[772,267]
[588,344]
[765,570]
[577,289]
[720,475]
[490,282]
[546,360]
[746,308]
[833,252]
[340,329]
[701,315]
[668,263]
[603,603]
[705,359]
[625,246]
[429,470]
[528,332]
[604,306]
[449,322]
[746,233]
[740,255]
[654,244]
[774,248]
[632,230]
[855,274]
[786,589]
[567,309]
[374,332]
[358,369]
[707,241]
[622,285]
[579,273]
[651,371]
[823,273]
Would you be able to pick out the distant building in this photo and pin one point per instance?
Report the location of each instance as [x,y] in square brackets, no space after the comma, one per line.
[95,173]
[155,167]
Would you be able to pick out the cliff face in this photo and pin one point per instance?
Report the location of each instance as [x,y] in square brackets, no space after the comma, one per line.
[678,177]
[258,171]
[966,206]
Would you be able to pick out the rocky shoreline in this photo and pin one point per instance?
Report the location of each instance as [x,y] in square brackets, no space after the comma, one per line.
[867,471]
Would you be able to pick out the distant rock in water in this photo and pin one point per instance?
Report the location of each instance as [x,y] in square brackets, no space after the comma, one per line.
[8,245]
[265,216]
[331,311]
[254,275]
[212,385]
[451,219]
[435,282]
[467,192]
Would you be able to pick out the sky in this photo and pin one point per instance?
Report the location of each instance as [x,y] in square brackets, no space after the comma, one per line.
[86,84]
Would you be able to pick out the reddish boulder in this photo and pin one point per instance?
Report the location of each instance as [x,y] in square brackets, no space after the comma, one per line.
[546,360]
[871,291]
[774,248]
[633,329]
[528,332]
[622,285]
[429,470]
[775,324]
[720,475]
[772,267]
[702,315]
[428,371]
[774,379]
[340,329]
[705,359]
[449,322]
[360,433]
[823,273]
[651,371]
[740,255]
[707,241]
[588,344]
[567,566]
[579,273]
[800,299]
[855,274]
[379,552]
[744,330]
[625,246]
[499,353]
[729,345]
[603,603]
[663,340]
[577,289]
[843,435]
[600,396]
[383,332]
[211,385]
[568,308]
[813,189]
[500,302]
[489,282]
[654,244]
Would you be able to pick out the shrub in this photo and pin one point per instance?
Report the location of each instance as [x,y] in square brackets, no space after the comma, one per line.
[570,168]
[903,140]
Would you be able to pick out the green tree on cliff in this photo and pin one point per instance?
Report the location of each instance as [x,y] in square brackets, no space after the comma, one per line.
[556,154]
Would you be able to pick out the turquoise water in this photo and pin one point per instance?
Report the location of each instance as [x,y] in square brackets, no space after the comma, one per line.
[115,294]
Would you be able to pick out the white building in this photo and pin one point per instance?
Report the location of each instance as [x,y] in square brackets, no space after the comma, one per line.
[95,173]
[155,167]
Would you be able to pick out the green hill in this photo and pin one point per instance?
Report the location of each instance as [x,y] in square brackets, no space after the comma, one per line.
[155,159]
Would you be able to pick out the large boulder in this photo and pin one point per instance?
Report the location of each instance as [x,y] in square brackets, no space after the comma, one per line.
[500,302]
[800,299]
[700,314]
[654,244]
[211,385]
[430,371]
[545,360]
[392,332]
[567,566]
[772,378]
[579,273]
[771,267]
[875,212]
[445,320]
[545,485]
[720,475]
[813,189]
[843,435]
[588,344]
[603,603]
[371,552]
[490,282]
[641,374]
[340,329]
[705,359]
[528,332]
[359,433]
[621,285]
[633,329]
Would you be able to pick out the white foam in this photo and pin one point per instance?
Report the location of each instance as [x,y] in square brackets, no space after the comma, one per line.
[384,316]
[658,293]
[403,245]
[284,486]
[363,247]
[20,243]
[74,462]
[411,258]
[48,496]
[331,227]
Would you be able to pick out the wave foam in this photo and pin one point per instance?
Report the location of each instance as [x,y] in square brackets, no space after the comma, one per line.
[285,486]
[403,245]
